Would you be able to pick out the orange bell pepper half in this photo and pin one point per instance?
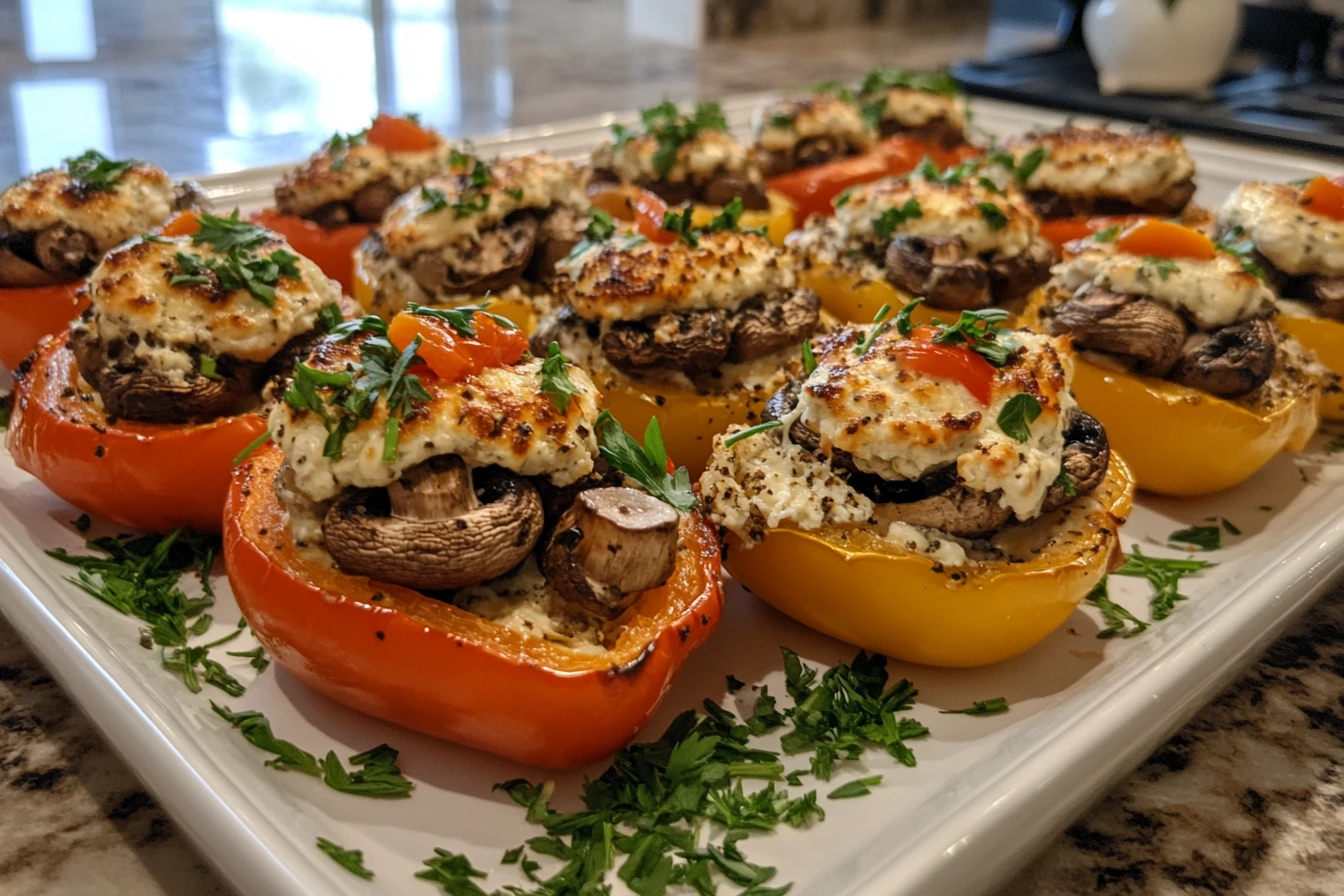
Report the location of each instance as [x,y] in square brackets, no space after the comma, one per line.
[421,662]
[1166,239]
[1323,196]
[451,355]
[31,313]
[144,475]
[396,134]
[330,248]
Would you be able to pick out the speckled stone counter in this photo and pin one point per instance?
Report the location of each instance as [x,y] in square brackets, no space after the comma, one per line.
[1247,799]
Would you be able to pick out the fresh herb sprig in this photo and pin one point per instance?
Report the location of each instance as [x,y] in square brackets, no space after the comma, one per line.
[140,576]
[991,707]
[643,817]
[376,774]
[351,860]
[1204,538]
[983,332]
[885,224]
[1016,416]
[241,267]
[880,325]
[727,220]
[555,381]
[887,78]
[96,171]
[1119,621]
[751,431]
[1241,247]
[344,398]
[1164,574]
[671,129]
[646,464]
[340,145]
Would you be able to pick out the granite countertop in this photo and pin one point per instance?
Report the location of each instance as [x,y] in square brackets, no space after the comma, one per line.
[1248,798]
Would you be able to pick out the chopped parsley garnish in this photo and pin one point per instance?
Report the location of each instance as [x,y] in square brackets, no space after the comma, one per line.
[993,216]
[872,111]
[252,446]
[751,431]
[990,707]
[982,332]
[647,464]
[340,144]
[780,120]
[6,409]
[887,78]
[351,396]
[1239,246]
[555,381]
[1227,525]
[1164,574]
[1107,235]
[1204,538]
[82,523]
[834,88]
[735,684]
[351,860]
[241,267]
[460,318]
[843,197]
[671,129]
[642,818]
[728,219]
[904,325]
[1163,267]
[207,367]
[256,657]
[376,773]
[809,358]
[330,317]
[1119,621]
[855,788]
[97,171]
[1017,414]
[434,198]
[880,324]
[601,228]
[885,224]
[1028,164]
[1066,483]
[140,576]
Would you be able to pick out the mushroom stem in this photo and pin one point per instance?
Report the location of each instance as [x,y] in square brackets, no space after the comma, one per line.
[611,544]
[438,489]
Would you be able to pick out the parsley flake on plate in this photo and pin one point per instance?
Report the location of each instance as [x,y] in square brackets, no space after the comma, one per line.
[351,860]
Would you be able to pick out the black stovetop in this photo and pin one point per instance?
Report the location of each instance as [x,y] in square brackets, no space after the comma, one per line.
[1288,99]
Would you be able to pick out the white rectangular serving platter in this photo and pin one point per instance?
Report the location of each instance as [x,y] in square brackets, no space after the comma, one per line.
[987,792]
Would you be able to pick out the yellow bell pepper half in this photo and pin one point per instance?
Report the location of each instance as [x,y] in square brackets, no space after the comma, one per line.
[1325,337]
[689,420]
[778,220]
[522,313]
[1180,441]
[860,588]
[853,298]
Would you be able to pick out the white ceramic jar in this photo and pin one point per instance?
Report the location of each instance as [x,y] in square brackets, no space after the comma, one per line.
[1160,46]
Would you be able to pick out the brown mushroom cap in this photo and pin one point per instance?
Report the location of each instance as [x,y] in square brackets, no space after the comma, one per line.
[764,326]
[723,188]
[431,531]
[372,200]
[559,232]
[148,397]
[17,272]
[497,261]
[1328,293]
[1013,279]
[1087,454]
[1231,361]
[693,342]
[941,270]
[609,546]
[65,251]
[1050,205]
[1148,335]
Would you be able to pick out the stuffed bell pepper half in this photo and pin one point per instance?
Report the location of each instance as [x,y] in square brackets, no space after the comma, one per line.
[685,159]
[56,224]
[483,228]
[433,538]
[1294,234]
[1181,356]
[327,205]
[929,492]
[953,237]
[138,412]
[697,331]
